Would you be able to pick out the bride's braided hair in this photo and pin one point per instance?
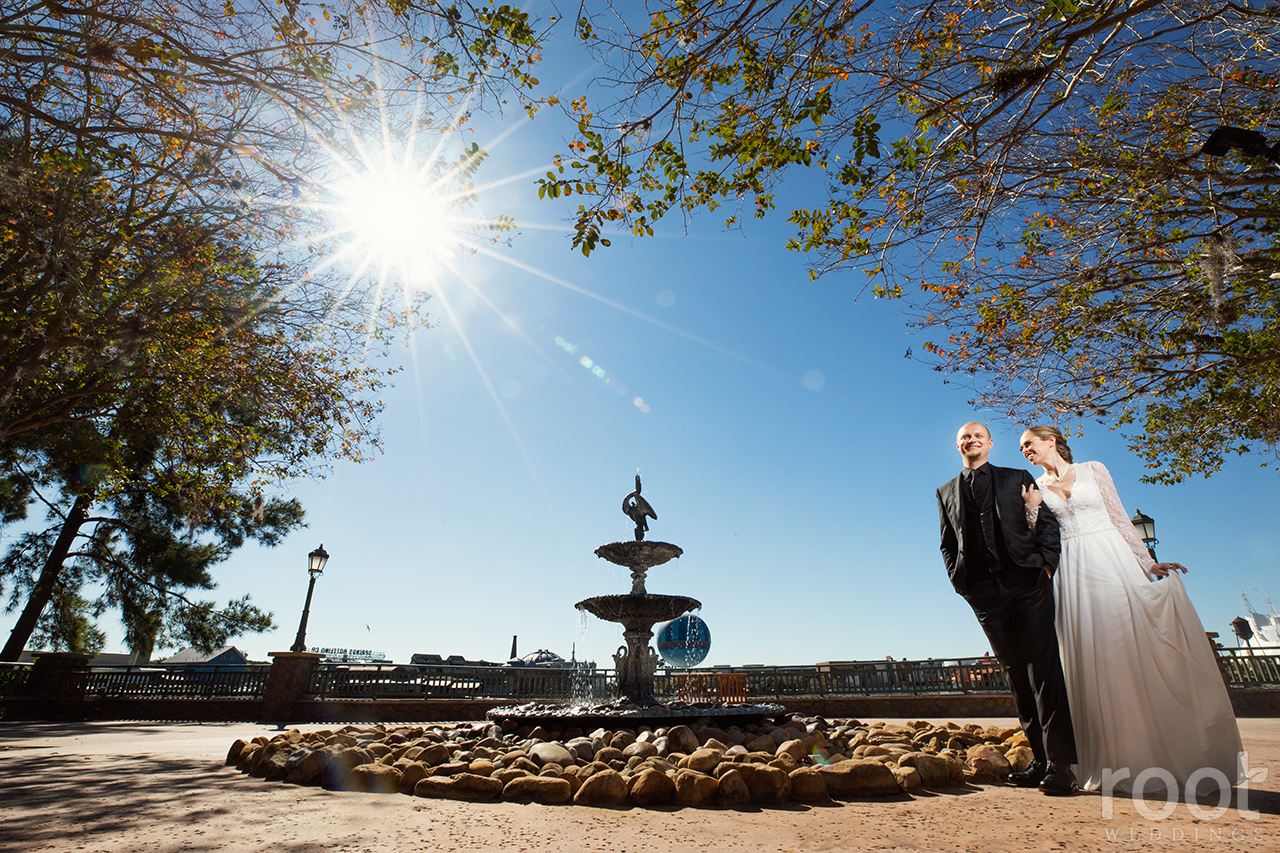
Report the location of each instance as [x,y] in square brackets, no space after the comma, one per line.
[1059,440]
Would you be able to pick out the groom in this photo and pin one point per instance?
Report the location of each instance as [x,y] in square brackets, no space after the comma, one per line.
[1004,569]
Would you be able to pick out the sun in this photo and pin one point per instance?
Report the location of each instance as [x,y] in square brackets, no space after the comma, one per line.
[398,219]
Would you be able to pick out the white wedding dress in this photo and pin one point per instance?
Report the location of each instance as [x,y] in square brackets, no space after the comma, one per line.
[1142,680]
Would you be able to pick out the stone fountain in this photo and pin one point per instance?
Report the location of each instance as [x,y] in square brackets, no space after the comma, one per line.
[639,610]
[636,662]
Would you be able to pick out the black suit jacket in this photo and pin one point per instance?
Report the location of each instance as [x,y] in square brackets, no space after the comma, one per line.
[1029,549]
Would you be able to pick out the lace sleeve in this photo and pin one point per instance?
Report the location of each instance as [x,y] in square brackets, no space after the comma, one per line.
[1033,512]
[1118,516]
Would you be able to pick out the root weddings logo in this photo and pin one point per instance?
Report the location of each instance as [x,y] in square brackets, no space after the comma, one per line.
[1169,795]
[1189,834]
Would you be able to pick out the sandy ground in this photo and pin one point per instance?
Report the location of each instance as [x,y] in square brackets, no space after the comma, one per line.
[136,787]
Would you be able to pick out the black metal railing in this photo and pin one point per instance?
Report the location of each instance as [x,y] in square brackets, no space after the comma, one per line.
[388,681]
[1241,667]
[1249,668]
[13,679]
[240,682]
[724,684]
[854,678]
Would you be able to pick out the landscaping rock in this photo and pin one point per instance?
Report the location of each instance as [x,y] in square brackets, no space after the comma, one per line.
[935,772]
[859,778]
[651,787]
[465,786]
[801,759]
[994,756]
[732,790]
[682,739]
[546,790]
[908,778]
[433,754]
[1020,758]
[233,754]
[794,748]
[410,775]
[766,784]
[603,788]
[807,786]
[337,771]
[701,760]
[376,778]
[695,789]
[608,754]
[644,749]
[979,771]
[552,753]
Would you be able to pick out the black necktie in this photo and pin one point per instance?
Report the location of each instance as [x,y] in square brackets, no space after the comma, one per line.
[978,487]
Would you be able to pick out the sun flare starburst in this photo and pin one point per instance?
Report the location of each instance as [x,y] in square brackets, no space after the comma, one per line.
[398,220]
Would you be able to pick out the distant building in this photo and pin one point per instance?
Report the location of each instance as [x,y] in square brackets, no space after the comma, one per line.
[420,659]
[542,657]
[100,659]
[227,657]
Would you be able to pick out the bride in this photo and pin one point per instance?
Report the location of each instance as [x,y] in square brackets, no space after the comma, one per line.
[1142,679]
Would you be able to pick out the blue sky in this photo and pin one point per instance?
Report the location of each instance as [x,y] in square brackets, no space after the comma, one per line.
[807,517]
[788,447]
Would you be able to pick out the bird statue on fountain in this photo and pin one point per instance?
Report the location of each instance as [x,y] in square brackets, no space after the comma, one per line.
[636,508]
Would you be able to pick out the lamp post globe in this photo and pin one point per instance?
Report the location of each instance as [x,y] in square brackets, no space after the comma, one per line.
[316,561]
[315,567]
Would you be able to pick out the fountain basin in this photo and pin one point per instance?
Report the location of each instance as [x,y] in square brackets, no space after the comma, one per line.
[639,555]
[612,715]
[645,609]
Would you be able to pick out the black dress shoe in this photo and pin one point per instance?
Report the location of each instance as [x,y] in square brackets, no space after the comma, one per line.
[1030,778]
[1059,781]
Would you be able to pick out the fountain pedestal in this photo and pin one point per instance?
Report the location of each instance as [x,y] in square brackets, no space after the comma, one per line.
[637,662]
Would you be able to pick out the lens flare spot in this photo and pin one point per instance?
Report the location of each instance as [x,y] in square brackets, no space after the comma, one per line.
[511,389]
[814,380]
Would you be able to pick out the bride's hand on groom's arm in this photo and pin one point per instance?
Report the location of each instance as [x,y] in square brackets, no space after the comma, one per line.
[1165,569]
[1031,495]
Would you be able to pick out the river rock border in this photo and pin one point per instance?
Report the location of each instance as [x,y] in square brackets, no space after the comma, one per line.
[801,759]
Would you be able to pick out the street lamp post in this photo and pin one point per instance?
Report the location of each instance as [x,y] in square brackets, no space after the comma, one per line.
[1146,532]
[315,567]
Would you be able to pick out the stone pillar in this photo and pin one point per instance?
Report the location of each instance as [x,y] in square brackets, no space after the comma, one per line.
[288,681]
[57,682]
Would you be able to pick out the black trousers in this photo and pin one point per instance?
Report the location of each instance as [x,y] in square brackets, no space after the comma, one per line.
[1015,608]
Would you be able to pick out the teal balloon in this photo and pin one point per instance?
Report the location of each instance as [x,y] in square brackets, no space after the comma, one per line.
[684,642]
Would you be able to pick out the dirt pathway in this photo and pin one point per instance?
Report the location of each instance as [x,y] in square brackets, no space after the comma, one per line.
[141,787]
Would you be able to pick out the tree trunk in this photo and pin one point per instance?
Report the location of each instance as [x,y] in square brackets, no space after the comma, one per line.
[48,582]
